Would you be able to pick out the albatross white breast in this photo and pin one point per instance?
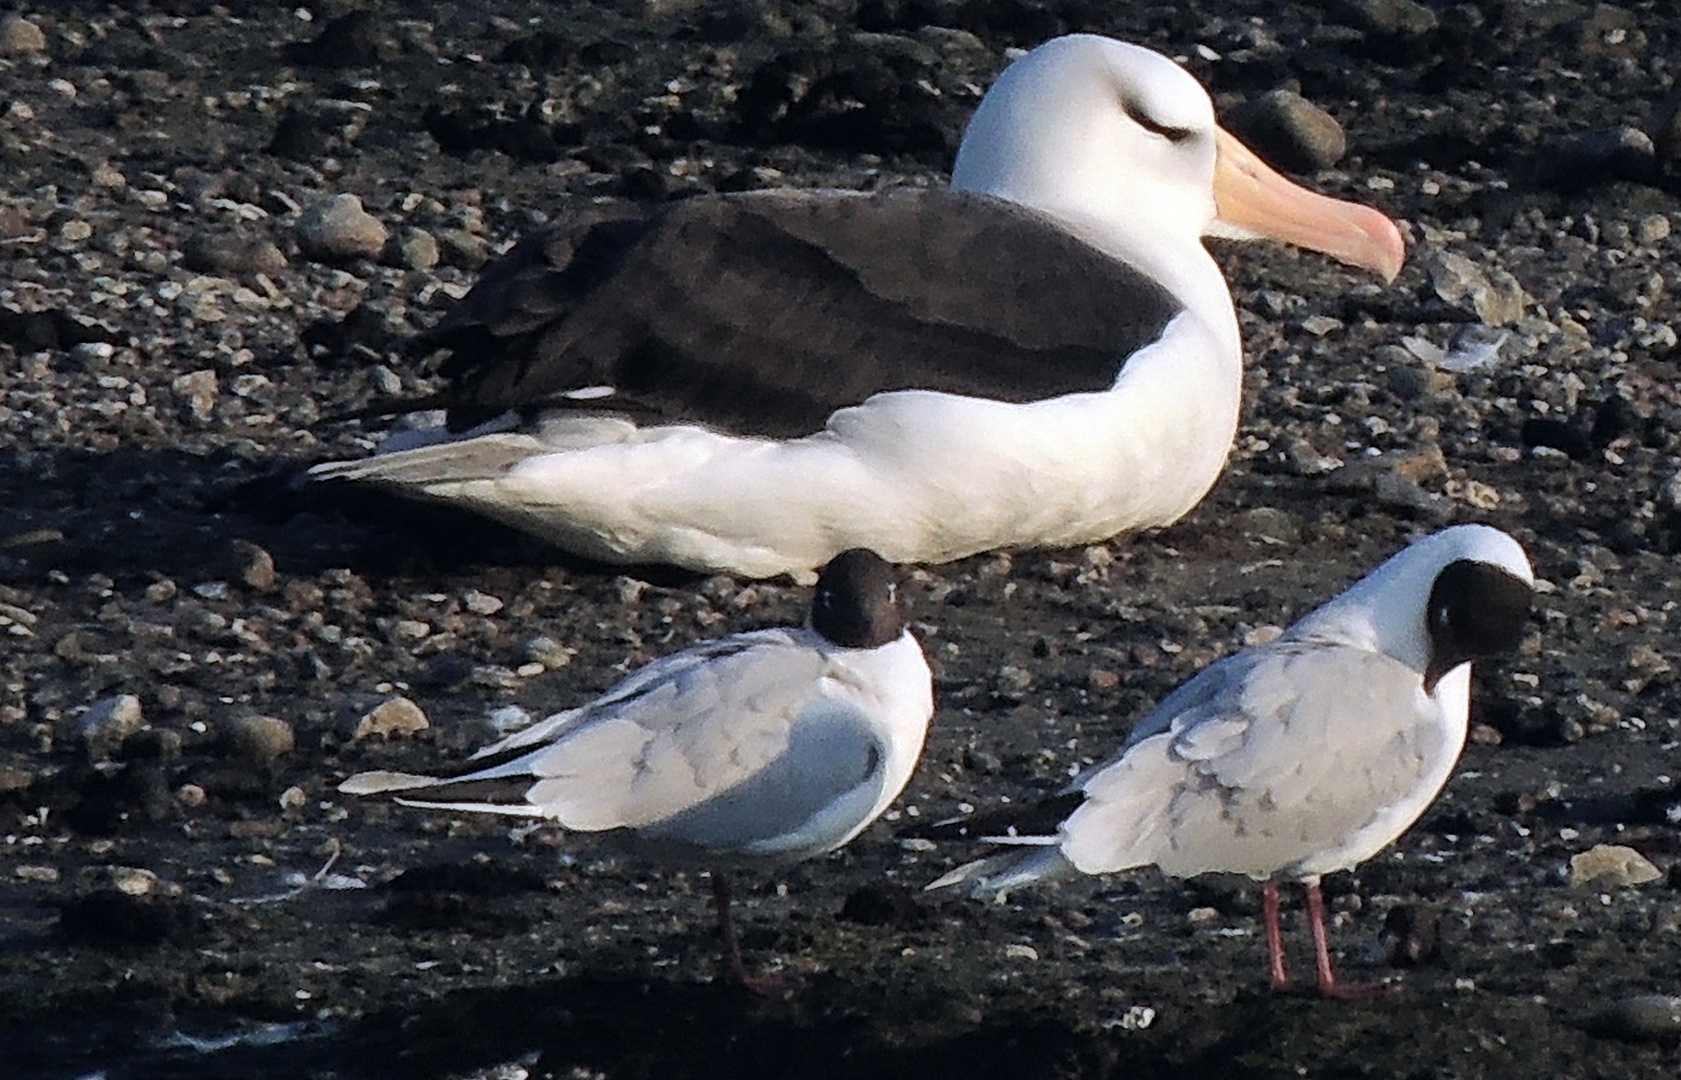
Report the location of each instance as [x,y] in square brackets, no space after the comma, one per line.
[1044,354]
[1306,755]
[774,745]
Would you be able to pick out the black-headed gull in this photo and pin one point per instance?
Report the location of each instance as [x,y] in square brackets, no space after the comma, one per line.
[775,745]
[1043,354]
[1303,756]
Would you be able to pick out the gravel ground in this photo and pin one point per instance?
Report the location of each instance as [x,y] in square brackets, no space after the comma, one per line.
[196,652]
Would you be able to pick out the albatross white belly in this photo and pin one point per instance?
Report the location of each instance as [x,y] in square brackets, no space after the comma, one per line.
[914,475]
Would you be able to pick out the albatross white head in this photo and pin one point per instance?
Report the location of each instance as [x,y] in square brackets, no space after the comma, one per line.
[1120,143]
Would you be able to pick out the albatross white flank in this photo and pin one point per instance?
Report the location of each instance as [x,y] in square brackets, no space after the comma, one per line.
[1306,755]
[770,746]
[1042,354]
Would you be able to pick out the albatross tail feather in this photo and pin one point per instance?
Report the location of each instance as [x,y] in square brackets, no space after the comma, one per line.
[486,457]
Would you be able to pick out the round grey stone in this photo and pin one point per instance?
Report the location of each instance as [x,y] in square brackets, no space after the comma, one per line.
[260,738]
[338,229]
[1290,131]
[18,35]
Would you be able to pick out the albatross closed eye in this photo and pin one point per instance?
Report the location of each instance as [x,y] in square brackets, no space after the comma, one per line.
[1171,133]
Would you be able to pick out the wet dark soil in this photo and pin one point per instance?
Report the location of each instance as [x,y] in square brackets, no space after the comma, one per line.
[182,890]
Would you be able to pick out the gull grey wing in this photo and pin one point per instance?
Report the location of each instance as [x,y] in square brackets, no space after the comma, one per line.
[649,749]
[813,796]
[1211,683]
[1305,745]
[759,653]
[762,314]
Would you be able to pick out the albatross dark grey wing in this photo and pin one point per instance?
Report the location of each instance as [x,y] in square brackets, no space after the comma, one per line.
[762,314]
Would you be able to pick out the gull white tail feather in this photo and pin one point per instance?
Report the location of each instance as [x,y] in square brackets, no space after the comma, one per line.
[382,783]
[996,876]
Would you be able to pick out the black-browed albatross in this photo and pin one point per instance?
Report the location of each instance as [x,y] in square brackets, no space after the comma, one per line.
[1044,354]
[1301,757]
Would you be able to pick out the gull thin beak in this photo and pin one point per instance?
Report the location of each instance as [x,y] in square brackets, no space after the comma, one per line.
[1253,199]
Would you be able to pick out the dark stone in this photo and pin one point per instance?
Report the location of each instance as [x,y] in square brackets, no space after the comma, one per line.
[1586,159]
[1413,935]
[355,40]
[884,904]
[111,919]
[1557,434]
[363,328]
[236,252]
[523,137]
[1289,131]
[860,98]
[34,331]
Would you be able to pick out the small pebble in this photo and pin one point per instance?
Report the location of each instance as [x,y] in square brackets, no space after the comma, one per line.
[547,651]
[45,875]
[1584,159]
[199,390]
[410,630]
[190,795]
[1474,348]
[1101,679]
[458,247]
[108,722]
[261,738]
[1013,679]
[232,253]
[395,716]
[1269,523]
[293,798]
[414,249]
[132,880]
[1612,866]
[481,603]
[19,35]
[1494,295]
[1398,18]
[251,564]
[1485,735]
[338,229]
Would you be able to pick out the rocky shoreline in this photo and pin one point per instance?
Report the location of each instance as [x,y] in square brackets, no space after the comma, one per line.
[219,221]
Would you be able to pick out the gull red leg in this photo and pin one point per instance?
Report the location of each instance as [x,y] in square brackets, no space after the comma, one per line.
[1328,985]
[1275,937]
[734,969]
